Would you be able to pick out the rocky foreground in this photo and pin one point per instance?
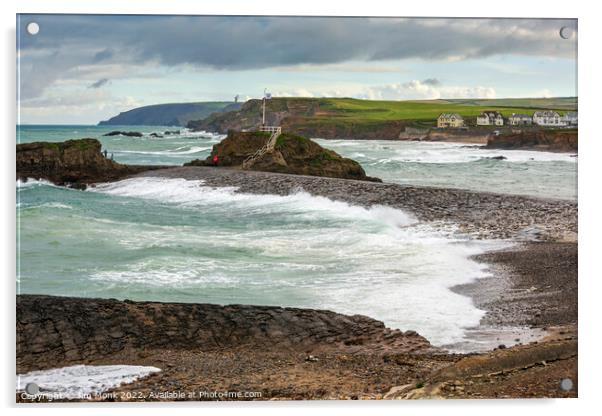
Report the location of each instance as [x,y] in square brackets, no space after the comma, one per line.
[276,353]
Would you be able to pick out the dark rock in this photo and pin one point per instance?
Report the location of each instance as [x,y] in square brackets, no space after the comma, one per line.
[155,135]
[292,154]
[124,133]
[496,158]
[550,140]
[170,132]
[73,163]
[57,331]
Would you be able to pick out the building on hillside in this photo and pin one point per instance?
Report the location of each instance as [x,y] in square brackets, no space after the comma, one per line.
[570,118]
[548,119]
[520,120]
[490,118]
[450,120]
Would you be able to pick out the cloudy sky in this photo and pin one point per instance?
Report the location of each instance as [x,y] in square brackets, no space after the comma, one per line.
[80,69]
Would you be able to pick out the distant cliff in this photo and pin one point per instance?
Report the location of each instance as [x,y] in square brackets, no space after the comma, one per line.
[178,114]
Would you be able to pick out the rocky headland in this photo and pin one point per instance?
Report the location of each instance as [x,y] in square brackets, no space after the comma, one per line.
[74,163]
[291,154]
[546,140]
[299,116]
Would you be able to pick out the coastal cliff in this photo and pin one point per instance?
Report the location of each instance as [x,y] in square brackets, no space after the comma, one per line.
[308,117]
[74,163]
[291,154]
[176,114]
[548,140]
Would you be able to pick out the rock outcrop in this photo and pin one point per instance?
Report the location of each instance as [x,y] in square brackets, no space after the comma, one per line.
[74,163]
[291,154]
[124,133]
[548,140]
[57,331]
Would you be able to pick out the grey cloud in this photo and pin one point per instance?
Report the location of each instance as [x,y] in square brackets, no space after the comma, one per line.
[241,43]
[431,81]
[102,55]
[99,83]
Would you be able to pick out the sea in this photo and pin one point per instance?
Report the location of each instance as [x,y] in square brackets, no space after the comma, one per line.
[183,241]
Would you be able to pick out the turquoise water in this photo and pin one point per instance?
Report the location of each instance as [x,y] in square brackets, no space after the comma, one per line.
[178,240]
[146,150]
[457,165]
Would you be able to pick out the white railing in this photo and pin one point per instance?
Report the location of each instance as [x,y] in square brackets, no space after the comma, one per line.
[268,147]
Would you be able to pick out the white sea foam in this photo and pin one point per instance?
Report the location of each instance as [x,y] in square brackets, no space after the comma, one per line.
[178,151]
[81,381]
[305,251]
[438,152]
[33,183]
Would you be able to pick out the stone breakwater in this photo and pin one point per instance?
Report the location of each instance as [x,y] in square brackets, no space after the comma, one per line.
[480,214]
[59,331]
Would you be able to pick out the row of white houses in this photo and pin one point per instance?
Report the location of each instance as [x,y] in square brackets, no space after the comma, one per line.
[546,118]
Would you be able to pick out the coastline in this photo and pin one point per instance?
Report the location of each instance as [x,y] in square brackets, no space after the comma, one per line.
[372,363]
[481,215]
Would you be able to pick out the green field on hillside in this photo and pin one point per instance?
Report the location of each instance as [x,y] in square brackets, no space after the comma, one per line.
[367,110]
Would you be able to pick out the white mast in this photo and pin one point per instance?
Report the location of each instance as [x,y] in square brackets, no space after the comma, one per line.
[263,118]
[266,96]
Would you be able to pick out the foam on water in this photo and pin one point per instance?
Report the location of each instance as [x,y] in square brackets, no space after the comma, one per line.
[444,152]
[81,381]
[458,165]
[304,251]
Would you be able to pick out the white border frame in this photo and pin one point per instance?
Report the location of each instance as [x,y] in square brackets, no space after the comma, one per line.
[589,198]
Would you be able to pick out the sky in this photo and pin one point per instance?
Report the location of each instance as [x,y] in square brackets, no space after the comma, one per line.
[80,69]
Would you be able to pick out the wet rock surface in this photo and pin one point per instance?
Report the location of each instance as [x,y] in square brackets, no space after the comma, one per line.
[58,331]
[480,214]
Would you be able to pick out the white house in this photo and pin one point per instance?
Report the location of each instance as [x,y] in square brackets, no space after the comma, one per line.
[520,119]
[570,118]
[490,118]
[548,118]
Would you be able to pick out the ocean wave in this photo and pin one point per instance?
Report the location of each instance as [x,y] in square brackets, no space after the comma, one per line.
[174,152]
[190,193]
[30,183]
[80,381]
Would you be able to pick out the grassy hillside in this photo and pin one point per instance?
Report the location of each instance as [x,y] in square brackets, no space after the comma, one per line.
[364,119]
[367,110]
